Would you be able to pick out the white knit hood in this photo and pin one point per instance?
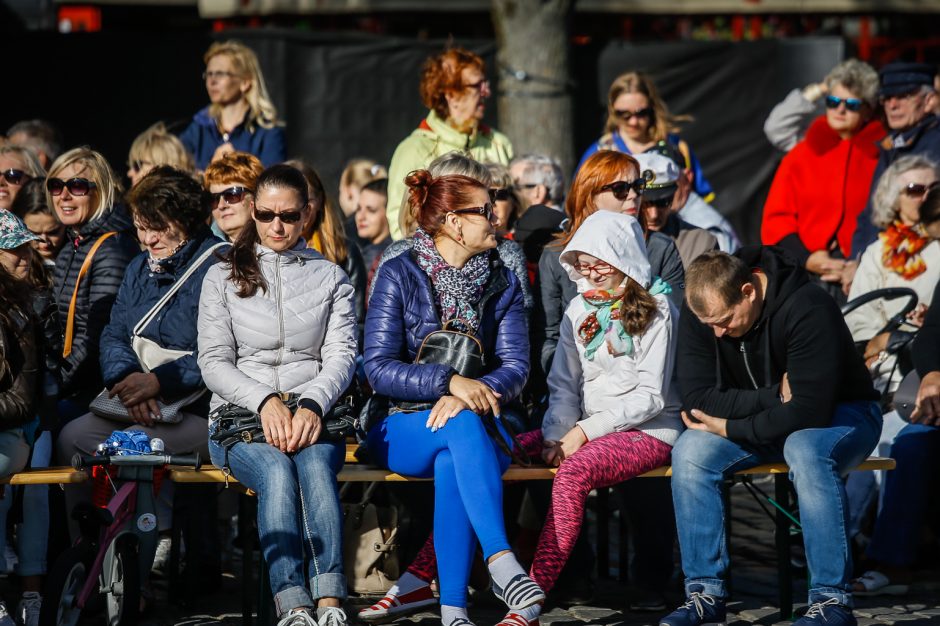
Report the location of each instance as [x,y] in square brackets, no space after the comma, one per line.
[612,237]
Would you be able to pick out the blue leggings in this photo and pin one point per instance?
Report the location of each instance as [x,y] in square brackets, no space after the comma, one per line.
[467,467]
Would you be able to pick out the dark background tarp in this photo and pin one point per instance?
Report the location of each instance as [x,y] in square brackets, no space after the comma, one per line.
[344,96]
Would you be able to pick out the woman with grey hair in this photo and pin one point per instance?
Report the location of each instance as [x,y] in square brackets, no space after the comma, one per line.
[822,185]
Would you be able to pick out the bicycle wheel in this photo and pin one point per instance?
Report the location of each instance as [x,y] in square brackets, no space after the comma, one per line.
[122,582]
[63,584]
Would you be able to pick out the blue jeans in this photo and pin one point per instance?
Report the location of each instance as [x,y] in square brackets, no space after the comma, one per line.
[298,516]
[467,467]
[819,459]
[906,495]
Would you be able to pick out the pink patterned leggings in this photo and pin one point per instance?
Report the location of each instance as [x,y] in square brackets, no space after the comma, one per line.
[603,462]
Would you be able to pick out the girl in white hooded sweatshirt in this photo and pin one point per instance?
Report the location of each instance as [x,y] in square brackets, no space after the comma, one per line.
[611,413]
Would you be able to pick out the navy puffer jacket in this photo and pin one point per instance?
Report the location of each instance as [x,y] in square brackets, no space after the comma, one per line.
[402,311]
[174,327]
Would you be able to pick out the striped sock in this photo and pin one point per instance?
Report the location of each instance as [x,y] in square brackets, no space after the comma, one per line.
[504,569]
[454,616]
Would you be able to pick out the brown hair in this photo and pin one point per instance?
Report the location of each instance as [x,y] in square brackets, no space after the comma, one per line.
[235,168]
[442,75]
[600,169]
[638,308]
[167,196]
[435,197]
[662,123]
[716,273]
[327,221]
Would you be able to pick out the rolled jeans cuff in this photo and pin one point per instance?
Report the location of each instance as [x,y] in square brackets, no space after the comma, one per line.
[290,599]
[329,585]
[821,594]
[710,587]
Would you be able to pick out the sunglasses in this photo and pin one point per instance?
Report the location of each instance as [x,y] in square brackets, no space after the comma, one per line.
[621,188]
[76,186]
[661,203]
[486,211]
[601,269]
[232,195]
[627,115]
[500,194]
[287,217]
[916,190]
[851,104]
[15,177]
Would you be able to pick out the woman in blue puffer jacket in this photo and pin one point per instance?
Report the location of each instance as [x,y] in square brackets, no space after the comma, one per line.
[452,274]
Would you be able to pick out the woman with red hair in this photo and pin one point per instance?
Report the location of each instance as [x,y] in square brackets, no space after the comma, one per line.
[443,425]
[454,87]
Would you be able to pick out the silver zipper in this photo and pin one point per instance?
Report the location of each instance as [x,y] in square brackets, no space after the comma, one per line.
[747,366]
[280,321]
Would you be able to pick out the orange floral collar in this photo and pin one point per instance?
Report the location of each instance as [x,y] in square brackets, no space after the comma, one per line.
[902,247]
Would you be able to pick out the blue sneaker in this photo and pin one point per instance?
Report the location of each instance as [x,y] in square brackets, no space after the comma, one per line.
[828,612]
[699,610]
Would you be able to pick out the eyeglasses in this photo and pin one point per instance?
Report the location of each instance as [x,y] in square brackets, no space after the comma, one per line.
[138,165]
[621,188]
[15,177]
[660,203]
[232,195]
[627,115]
[218,75]
[916,190]
[482,85]
[522,186]
[600,268]
[851,104]
[287,217]
[499,195]
[76,186]
[486,211]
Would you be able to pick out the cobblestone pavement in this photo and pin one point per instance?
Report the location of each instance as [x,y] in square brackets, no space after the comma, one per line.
[754,602]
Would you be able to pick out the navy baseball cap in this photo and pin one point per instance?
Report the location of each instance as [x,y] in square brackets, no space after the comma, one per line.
[901,78]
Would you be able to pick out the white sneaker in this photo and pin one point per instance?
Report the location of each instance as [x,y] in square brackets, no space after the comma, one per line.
[301,617]
[5,618]
[161,558]
[27,613]
[331,616]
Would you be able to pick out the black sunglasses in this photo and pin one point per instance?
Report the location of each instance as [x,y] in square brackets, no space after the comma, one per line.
[627,115]
[501,194]
[288,217]
[660,203]
[851,104]
[232,195]
[916,190]
[76,186]
[15,177]
[621,188]
[486,211]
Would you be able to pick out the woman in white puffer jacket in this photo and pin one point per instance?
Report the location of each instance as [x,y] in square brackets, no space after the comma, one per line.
[276,317]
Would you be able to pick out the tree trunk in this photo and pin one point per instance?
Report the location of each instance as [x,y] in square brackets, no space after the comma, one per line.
[535,108]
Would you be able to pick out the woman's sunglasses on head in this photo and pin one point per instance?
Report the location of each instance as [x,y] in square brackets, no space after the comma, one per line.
[76,186]
[621,188]
[851,104]
[15,177]
[232,195]
[287,217]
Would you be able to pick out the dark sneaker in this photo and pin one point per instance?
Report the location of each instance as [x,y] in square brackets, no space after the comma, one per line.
[829,612]
[700,609]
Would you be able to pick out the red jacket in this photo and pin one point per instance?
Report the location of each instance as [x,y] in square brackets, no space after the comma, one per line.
[820,188]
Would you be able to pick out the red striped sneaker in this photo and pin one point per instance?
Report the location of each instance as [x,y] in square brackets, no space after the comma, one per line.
[392,607]
[514,619]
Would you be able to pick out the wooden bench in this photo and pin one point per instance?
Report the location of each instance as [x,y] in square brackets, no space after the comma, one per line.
[354,471]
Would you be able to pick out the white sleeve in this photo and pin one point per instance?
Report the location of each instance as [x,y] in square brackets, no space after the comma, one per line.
[565,384]
[865,321]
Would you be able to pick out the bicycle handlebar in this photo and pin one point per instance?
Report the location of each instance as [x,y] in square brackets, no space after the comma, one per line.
[81,461]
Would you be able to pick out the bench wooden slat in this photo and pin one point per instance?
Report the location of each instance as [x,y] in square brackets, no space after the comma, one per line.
[47,476]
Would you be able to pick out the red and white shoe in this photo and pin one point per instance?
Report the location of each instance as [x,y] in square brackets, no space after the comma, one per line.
[391,607]
[514,619]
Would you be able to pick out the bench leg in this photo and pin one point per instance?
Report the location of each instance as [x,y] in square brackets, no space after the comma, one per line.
[782,536]
[603,532]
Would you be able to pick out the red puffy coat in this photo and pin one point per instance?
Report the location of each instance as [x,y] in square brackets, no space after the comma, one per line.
[820,188]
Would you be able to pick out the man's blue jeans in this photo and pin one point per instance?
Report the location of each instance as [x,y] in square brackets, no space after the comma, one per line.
[819,459]
[298,516]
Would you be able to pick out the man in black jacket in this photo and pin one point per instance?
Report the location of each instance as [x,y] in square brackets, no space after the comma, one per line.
[768,372]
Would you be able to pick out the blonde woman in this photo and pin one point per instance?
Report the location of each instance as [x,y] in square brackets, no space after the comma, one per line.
[17,166]
[154,147]
[240,115]
[638,119]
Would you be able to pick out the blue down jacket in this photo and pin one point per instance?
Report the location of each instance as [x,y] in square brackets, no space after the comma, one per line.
[402,311]
[173,328]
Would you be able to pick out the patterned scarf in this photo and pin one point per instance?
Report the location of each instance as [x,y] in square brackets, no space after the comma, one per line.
[158,266]
[901,251]
[599,326]
[457,291]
